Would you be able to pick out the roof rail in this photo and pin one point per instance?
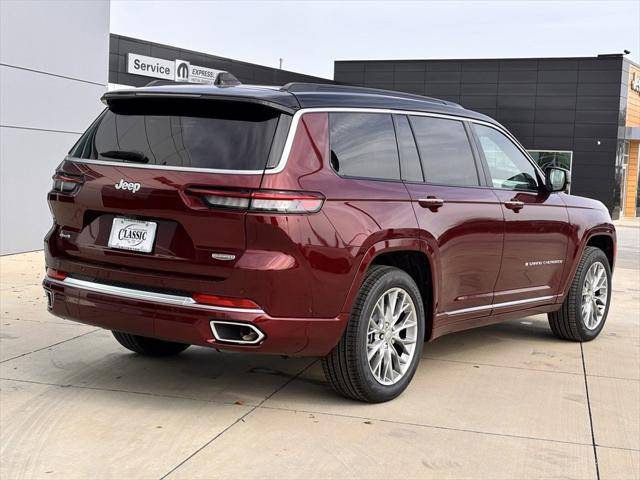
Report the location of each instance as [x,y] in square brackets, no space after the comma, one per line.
[302,87]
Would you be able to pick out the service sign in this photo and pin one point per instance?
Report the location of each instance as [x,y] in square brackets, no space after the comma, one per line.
[174,70]
[150,66]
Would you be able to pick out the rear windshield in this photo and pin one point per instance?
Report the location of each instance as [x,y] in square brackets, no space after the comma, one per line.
[186,133]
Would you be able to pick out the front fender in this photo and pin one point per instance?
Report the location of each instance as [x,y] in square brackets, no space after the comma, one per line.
[579,241]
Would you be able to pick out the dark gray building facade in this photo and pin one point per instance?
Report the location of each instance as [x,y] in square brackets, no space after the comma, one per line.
[568,108]
[580,113]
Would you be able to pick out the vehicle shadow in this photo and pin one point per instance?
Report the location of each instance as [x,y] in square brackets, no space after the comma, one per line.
[238,378]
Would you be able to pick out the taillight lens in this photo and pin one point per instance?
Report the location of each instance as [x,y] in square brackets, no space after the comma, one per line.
[285,202]
[260,200]
[66,183]
[56,274]
[218,301]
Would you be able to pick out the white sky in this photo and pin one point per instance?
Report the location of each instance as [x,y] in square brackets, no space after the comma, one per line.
[310,35]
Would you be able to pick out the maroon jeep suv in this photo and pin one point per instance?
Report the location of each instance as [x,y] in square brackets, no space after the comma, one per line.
[347,223]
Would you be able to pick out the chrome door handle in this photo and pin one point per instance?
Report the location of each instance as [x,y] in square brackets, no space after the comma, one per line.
[514,205]
[430,202]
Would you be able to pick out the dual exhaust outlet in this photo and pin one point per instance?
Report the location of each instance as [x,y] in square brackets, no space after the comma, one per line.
[236,332]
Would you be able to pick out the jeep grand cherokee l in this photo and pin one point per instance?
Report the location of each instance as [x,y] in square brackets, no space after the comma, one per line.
[310,220]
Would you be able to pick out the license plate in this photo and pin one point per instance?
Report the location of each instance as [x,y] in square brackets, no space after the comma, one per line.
[135,235]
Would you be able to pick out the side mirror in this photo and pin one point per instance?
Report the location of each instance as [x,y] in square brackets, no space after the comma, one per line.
[557,179]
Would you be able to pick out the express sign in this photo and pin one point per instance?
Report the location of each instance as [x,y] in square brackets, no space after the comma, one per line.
[177,70]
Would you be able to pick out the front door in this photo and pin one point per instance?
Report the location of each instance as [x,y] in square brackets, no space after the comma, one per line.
[536,225]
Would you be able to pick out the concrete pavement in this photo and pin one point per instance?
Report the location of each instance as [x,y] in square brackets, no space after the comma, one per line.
[507,401]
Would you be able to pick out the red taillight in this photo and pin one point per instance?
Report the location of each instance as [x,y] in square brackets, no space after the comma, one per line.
[56,274]
[218,301]
[66,183]
[260,200]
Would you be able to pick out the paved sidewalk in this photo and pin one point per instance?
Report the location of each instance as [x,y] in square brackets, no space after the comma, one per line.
[502,402]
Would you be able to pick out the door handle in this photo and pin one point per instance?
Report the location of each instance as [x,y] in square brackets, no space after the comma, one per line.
[431,203]
[514,205]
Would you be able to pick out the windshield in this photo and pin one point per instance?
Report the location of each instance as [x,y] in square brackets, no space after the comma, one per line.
[185,133]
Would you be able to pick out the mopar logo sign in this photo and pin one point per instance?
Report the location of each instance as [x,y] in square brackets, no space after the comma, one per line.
[182,71]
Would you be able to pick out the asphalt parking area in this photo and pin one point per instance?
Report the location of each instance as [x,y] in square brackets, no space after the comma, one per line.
[507,401]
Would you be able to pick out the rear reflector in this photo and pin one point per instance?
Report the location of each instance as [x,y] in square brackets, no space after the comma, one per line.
[56,274]
[217,301]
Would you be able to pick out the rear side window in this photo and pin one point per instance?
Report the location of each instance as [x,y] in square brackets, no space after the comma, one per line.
[364,145]
[445,151]
[195,134]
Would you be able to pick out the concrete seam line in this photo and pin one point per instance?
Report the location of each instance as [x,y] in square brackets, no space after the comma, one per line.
[501,366]
[422,425]
[593,436]
[49,346]
[238,420]
[118,390]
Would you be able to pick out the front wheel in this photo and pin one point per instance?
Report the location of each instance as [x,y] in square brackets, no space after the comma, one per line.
[584,311]
[380,349]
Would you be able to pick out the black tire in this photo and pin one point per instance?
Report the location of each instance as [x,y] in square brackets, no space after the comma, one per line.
[567,323]
[346,367]
[151,347]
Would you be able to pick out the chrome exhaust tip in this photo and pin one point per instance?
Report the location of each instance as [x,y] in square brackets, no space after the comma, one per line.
[236,332]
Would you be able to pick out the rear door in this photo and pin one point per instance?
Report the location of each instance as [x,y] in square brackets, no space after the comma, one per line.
[459,218]
[154,168]
[536,224]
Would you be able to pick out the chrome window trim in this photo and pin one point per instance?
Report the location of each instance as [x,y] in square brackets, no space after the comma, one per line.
[291,135]
[145,295]
[499,305]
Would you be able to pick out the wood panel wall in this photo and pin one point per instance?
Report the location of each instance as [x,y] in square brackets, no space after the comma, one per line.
[633,120]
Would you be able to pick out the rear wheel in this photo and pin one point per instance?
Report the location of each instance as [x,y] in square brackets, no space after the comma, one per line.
[149,346]
[381,347]
[585,309]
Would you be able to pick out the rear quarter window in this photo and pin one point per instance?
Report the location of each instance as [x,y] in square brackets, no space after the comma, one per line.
[191,134]
[364,145]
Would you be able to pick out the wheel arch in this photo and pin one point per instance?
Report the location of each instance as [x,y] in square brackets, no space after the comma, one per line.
[602,237]
[407,255]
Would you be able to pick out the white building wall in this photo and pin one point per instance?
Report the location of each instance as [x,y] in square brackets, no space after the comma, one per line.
[54,58]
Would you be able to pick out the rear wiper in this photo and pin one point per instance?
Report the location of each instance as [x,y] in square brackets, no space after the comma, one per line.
[128,155]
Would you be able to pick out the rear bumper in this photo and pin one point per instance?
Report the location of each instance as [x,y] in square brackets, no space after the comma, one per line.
[179,319]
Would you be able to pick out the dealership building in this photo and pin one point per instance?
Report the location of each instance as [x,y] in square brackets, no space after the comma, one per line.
[580,113]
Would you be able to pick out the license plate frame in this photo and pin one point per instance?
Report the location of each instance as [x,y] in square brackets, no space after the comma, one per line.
[132,235]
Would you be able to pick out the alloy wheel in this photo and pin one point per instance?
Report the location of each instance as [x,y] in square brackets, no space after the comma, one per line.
[594,295]
[391,336]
